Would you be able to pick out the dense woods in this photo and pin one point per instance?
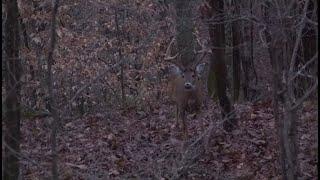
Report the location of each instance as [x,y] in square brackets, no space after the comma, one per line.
[160,89]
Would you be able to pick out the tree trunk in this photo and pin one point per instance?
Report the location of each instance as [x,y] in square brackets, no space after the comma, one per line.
[236,60]
[12,87]
[247,60]
[51,103]
[275,101]
[123,97]
[251,46]
[286,125]
[217,64]
[184,28]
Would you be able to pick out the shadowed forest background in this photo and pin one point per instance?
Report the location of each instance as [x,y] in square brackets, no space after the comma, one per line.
[88,89]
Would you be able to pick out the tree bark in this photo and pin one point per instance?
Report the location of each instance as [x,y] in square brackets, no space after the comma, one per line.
[51,103]
[217,64]
[236,59]
[123,97]
[286,125]
[275,102]
[12,87]
[184,28]
[247,60]
[251,45]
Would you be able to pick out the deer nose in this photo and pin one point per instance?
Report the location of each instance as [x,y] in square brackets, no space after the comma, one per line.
[187,85]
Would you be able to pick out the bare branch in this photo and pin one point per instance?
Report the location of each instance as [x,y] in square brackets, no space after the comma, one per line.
[315,57]
[312,22]
[305,96]
[296,46]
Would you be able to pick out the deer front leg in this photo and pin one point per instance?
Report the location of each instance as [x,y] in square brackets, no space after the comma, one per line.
[177,116]
[184,124]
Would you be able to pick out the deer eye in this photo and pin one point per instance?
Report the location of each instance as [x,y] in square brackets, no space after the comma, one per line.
[193,76]
[182,75]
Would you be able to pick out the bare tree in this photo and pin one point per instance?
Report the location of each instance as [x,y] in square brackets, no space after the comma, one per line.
[123,97]
[236,57]
[247,53]
[284,50]
[12,87]
[217,62]
[51,103]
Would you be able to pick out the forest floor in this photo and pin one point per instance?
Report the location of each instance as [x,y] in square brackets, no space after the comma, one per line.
[119,145]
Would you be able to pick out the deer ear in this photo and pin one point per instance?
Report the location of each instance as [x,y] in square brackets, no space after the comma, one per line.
[200,68]
[174,70]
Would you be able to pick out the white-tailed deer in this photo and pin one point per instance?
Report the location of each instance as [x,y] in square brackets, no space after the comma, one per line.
[186,88]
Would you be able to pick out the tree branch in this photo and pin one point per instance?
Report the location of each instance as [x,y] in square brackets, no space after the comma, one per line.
[305,96]
[296,46]
[315,57]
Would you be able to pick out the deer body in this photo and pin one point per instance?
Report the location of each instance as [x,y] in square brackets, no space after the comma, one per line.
[186,91]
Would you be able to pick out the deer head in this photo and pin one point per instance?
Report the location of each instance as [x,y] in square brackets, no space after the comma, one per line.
[188,78]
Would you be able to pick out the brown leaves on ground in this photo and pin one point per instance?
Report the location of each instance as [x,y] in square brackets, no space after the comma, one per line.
[126,146]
